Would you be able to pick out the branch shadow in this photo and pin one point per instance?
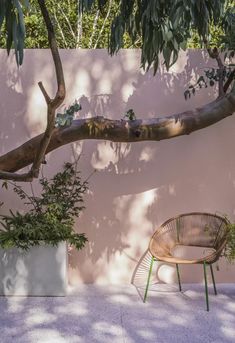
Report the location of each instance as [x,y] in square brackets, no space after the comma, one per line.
[137,186]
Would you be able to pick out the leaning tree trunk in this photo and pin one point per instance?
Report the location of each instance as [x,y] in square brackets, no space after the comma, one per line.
[155,129]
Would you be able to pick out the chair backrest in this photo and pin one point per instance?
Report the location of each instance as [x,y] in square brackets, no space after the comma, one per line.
[190,229]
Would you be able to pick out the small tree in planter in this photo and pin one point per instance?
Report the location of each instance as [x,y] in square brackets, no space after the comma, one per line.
[229,251]
[48,222]
[51,217]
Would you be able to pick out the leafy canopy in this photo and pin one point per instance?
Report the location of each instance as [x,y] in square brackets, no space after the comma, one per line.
[11,12]
[164,26]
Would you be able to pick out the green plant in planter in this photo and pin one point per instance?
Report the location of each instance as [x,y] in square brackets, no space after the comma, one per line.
[229,251]
[51,216]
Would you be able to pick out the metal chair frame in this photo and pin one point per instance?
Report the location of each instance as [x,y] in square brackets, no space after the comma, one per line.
[160,250]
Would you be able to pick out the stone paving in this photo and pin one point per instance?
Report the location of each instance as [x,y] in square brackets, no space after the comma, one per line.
[111,314]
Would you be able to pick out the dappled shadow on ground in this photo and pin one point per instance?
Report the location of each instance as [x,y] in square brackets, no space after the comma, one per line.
[110,314]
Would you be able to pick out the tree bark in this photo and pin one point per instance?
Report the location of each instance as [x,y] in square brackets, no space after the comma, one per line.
[52,105]
[155,129]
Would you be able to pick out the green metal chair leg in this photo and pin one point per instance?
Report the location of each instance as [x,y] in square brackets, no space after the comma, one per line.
[206,288]
[178,275]
[149,275]
[213,279]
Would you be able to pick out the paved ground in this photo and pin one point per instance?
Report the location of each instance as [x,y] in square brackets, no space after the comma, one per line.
[117,315]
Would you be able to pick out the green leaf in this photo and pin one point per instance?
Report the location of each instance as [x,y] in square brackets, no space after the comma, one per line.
[2,11]
[167,56]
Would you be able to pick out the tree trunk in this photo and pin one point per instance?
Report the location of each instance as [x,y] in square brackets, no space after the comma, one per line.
[155,129]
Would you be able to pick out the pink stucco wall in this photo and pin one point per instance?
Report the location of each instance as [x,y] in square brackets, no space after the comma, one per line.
[137,186]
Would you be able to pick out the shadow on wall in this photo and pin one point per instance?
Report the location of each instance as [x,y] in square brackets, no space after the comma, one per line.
[13,104]
[136,186]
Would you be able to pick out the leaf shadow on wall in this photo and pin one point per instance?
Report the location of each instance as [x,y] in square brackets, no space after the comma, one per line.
[13,103]
[139,185]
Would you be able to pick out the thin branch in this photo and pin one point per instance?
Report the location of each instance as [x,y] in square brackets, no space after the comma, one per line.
[60,95]
[26,177]
[94,28]
[25,194]
[44,92]
[104,22]
[91,174]
[229,80]
[68,22]
[32,190]
[79,30]
[60,29]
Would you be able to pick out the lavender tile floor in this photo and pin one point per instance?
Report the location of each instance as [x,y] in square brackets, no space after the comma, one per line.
[103,314]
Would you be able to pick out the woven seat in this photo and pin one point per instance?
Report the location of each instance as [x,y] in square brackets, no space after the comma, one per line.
[202,230]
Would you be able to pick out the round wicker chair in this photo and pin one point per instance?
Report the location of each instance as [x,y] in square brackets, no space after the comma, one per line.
[203,230]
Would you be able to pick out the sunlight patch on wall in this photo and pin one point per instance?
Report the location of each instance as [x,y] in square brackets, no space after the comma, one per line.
[147,154]
[104,85]
[139,207]
[133,208]
[106,271]
[131,63]
[97,69]
[116,73]
[115,272]
[13,74]
[179,67]
[172,190]
[15,85]
[133,212]
[107,153]
[76,150]
[82,84]
[36,115]
[127,91]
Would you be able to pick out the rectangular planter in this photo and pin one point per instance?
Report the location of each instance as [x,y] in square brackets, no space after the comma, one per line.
[40,271]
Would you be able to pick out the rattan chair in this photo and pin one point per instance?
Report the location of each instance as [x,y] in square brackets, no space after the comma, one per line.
[196,229]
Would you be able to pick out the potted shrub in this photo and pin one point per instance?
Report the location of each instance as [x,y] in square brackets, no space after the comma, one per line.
[229,251]
[33,244]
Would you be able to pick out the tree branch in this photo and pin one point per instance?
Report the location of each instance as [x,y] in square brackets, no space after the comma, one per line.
[26,177]
[104,22]
[44,92]
[229,80]
[214,53]
[94,28]
[154,129]
[52,105]
[60,95]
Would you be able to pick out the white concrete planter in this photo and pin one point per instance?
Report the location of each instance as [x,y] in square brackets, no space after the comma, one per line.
[41,271]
